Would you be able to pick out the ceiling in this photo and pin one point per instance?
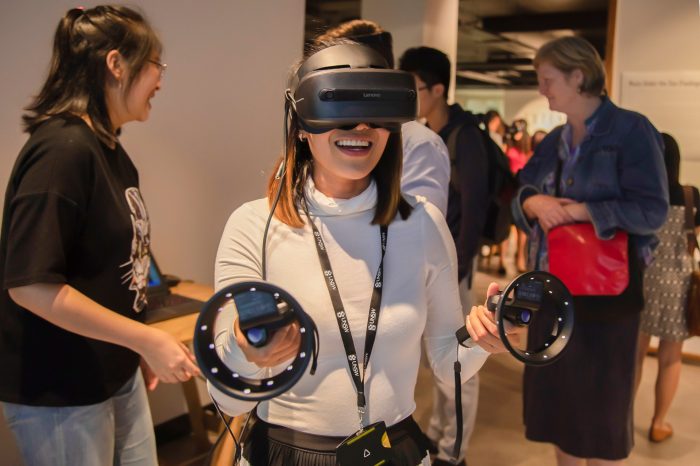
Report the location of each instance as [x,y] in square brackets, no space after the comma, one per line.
[497,39]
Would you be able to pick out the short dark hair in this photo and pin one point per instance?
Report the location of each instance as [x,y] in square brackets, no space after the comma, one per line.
[490,115]
[364,32]
[386,174]
[431,65]
[78,72]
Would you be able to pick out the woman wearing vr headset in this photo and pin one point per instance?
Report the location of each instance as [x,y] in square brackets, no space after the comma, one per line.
[74,255]
[392,267]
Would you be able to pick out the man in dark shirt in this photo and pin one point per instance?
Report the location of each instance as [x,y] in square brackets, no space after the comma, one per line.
[466,215]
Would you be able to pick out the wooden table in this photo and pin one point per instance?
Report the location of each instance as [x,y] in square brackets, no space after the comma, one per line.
[182,327]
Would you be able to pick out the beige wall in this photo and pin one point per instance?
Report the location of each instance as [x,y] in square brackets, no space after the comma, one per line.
[654,36]
[215,128]
[660,36]
[413,23]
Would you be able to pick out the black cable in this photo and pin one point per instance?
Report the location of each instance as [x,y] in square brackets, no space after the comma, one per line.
[219,439]
[227,424]
[281,170]
[458,408]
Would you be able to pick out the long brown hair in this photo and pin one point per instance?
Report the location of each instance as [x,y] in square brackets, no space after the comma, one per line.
[78,71]
[299,166]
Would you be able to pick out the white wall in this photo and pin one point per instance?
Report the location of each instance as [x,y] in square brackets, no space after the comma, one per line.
[655,36]
[215,128]
[413,23]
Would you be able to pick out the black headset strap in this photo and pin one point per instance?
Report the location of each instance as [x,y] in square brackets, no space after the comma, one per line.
[342,318]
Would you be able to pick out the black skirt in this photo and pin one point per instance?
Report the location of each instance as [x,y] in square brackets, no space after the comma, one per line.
[583,403]
[270,444]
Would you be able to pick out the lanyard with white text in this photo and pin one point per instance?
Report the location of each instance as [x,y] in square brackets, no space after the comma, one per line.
[341,316]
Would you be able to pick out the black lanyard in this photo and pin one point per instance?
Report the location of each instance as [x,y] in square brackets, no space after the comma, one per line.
[342,318]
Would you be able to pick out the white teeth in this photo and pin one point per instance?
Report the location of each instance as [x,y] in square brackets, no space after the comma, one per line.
[352,143]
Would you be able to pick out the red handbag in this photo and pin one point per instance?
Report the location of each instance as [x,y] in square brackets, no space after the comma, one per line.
[587,265]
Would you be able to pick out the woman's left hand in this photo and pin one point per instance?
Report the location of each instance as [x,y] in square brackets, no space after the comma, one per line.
[482,328]
[578,211]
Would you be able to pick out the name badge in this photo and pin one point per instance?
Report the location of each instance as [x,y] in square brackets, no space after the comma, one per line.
[366,447]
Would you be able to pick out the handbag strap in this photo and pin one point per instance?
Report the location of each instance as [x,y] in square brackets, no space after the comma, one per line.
[688,226]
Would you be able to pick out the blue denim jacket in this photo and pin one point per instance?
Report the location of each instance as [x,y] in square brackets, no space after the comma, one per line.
[619,174]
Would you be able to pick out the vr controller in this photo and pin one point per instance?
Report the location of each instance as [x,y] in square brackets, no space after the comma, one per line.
[263,308]
[260,314]
[519,310]
[533,298]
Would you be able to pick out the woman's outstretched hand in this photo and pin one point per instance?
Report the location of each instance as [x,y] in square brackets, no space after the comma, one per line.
[283,346]
[482,327]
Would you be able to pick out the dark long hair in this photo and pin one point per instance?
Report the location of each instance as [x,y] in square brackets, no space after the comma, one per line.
[78,72]
[387,173]
[672,160]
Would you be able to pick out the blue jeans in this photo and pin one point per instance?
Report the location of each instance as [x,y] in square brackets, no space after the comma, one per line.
[118,431]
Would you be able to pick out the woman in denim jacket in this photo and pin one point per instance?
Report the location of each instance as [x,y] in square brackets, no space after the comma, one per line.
[611,174]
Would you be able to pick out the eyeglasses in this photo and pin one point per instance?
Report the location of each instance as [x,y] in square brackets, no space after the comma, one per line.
[423,88]
[161,66]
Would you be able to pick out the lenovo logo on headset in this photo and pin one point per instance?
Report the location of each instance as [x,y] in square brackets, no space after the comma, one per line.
[371,95]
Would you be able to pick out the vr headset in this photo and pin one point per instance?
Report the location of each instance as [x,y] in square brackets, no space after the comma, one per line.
[347,84]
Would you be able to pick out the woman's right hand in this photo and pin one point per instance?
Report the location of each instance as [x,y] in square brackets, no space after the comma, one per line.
[283,346]
[549,211]
[169,359]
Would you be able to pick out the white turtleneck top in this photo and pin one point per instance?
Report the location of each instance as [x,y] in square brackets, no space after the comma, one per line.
[420,300]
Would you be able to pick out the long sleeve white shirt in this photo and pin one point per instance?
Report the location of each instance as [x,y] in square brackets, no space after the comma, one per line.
[420,300]
[426,164]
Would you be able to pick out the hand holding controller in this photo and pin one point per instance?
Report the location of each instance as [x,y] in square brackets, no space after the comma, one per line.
[534,300]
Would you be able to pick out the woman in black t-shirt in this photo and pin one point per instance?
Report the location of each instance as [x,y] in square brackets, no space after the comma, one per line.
[74,255]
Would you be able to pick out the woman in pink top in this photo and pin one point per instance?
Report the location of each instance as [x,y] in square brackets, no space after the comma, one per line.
[518,145]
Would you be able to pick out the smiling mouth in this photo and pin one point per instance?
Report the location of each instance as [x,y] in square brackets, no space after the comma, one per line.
[353,145]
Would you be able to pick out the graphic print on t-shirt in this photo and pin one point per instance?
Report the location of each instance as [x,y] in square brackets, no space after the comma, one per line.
[140,259]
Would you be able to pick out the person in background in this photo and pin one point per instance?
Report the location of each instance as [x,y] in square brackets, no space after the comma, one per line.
[426,164]
[74,255]
[340,189]
[666,283]
[611,174]
[496,127]
[537,138]
[518,153]
[466,215]
[518,145]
